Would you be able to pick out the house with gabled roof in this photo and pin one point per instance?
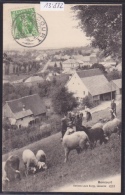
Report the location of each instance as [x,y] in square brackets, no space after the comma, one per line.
[70,64]
[90,83]
[24,111]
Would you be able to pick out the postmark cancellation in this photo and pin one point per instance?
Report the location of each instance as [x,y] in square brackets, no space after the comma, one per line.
[29,29]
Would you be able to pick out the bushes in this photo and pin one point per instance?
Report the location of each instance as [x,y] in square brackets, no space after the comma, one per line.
[22,137]
[112,75]
[55,123]
[88,102]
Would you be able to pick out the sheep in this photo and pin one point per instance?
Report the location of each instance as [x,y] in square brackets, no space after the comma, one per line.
[113,126]
[41,156]
[96,133]
[74,140]
[31,163]
[10,170]
[11,167]
[4,175]
[98,125]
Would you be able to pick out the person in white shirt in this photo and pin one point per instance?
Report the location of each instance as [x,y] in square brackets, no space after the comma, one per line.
[88,114]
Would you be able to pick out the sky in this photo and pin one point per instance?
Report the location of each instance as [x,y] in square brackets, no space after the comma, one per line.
[62,31]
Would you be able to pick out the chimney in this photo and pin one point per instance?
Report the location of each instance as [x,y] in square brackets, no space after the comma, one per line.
[24,108]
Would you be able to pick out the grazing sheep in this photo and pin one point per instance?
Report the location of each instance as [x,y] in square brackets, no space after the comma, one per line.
[41,156]
[74,140]
[113,126]
[96,133]
[4,175]
[10,169]
[98,125]
[31,163]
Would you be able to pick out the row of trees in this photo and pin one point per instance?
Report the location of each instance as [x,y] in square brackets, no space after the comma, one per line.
[24,67]
[96,65]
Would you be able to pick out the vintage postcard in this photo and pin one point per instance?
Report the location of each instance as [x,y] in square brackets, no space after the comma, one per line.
[62,93]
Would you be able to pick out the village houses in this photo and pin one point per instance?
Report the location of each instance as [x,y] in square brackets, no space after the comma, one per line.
[24,111]
[91,83]
[70,64]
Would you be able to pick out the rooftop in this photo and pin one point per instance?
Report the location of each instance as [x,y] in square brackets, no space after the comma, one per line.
[31,102]
[97,85]
[70,61]
[118,82]
[34,79]
[23,114]
[89,73]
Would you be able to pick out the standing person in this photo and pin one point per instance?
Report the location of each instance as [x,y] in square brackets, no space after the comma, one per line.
[73,119]
[81,118]
[69,117]
[88,114]
[113,109]
[63,125]
[78,122]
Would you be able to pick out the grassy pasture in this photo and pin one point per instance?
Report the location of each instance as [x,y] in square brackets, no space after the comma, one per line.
[104,160]
[15,77]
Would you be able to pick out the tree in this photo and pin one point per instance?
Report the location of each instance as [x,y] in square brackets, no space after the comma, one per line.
[87,101]
[61,66]
[17,70]
[100,66]
[54,81]
[22,90]
[112,75]
[103,24]
[8,89]
[4,55]
[14,69]
[44,88]
[55,65]
[63,101]
[6,124]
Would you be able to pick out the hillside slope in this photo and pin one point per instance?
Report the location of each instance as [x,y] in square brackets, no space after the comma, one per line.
[102,161]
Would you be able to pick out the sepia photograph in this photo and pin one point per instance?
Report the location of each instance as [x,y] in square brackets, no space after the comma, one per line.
[62,97]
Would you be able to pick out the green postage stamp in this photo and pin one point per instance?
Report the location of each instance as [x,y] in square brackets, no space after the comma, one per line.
[29,29]
[25,23]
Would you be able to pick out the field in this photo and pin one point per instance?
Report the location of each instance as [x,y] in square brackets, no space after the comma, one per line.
[15,77]
[102,161]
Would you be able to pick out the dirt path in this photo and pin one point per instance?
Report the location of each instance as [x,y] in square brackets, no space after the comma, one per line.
[102,106]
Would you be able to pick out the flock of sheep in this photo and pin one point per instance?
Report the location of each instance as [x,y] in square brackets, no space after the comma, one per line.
[32,163]
[88,136]
[72,139]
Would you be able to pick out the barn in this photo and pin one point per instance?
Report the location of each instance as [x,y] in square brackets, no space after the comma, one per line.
[25,111]
[91,83]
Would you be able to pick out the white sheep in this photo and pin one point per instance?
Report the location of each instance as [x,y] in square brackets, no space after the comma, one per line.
[97,125]
[113,126]
[41,156]
[31,163]
[74,140]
